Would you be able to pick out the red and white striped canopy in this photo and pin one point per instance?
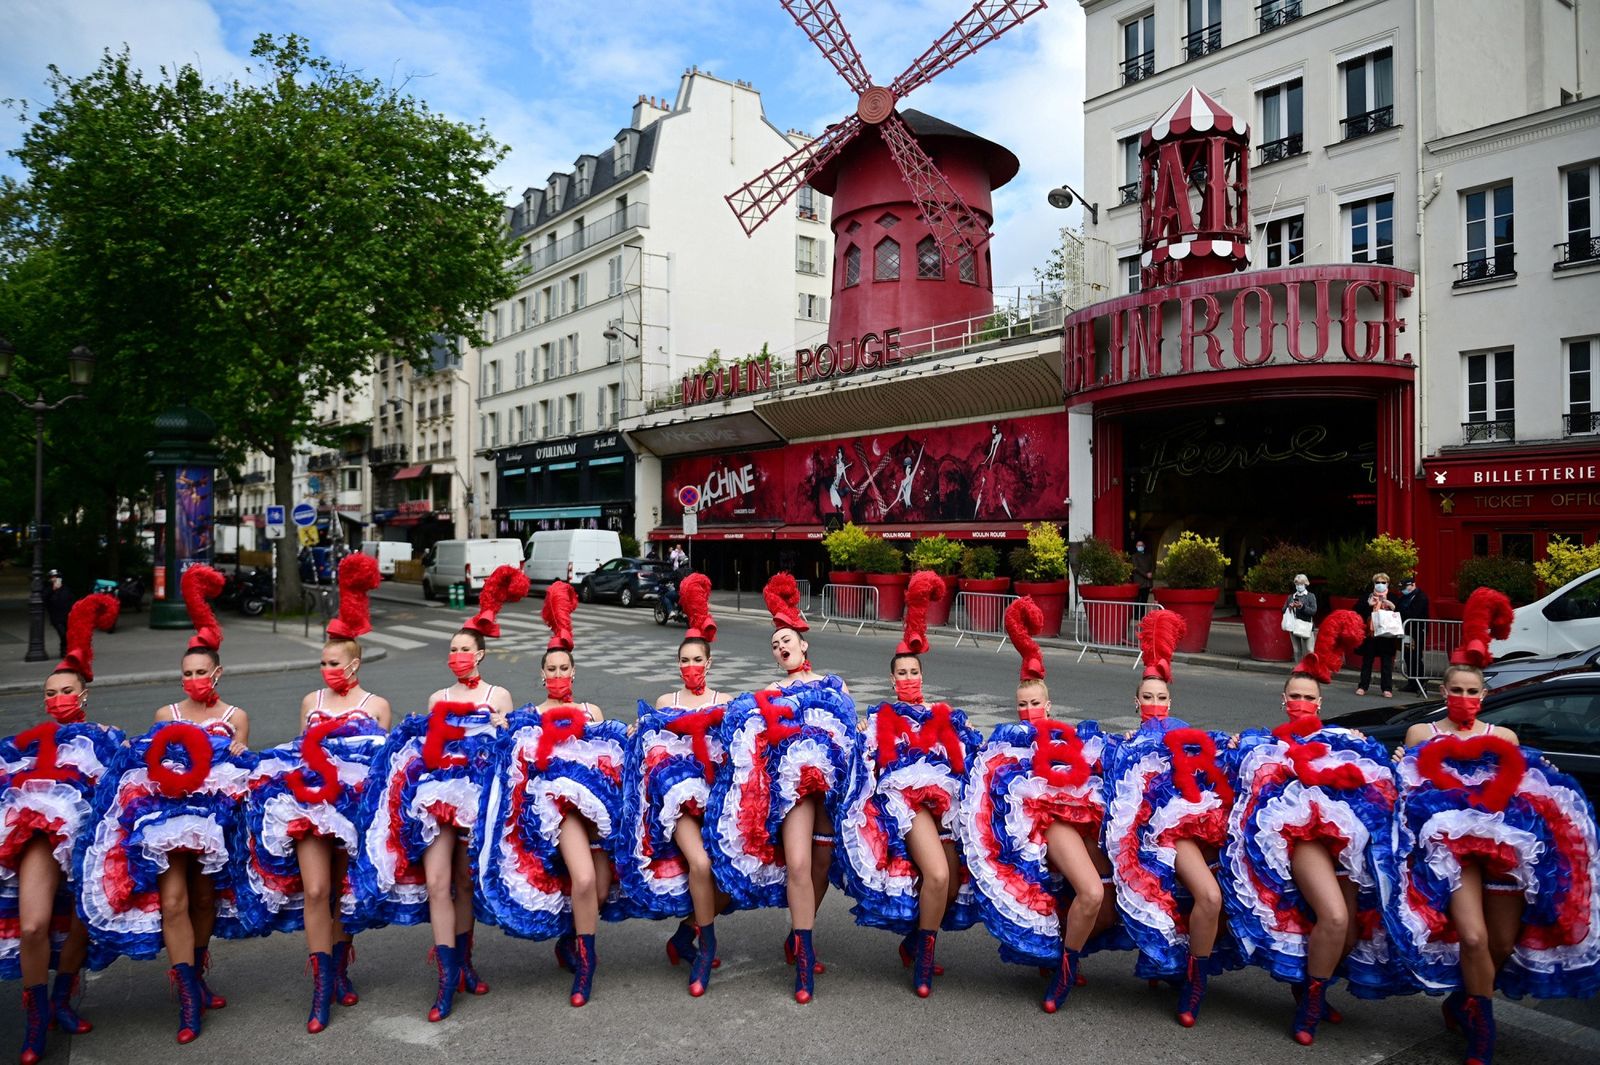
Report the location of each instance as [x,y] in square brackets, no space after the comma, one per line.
[1195,112]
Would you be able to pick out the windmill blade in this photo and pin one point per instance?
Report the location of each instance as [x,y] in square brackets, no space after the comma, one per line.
[955,227]
[760,198]
[820,21]
[987,20]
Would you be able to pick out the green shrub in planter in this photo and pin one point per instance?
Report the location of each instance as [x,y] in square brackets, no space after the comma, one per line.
[1565,562]
[1512,576]
[979,563]
[1383,554]
[938,553]
[1275,570]
[1101,564]
[630,546]
[880,556]
[1193,561]
[1339,560]
[844,545]
[1045,556]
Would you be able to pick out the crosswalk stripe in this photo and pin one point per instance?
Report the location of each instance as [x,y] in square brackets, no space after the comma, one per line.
[412,630]
[399,643]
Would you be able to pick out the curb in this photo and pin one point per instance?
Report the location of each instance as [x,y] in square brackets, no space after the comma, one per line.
[377,593]
[371,654]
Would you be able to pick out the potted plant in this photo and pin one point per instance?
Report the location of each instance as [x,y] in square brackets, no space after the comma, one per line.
[884,565]
[1565,562]
[1103,583]
[986,607]
[1337,562]
[1512,576]
[1191,572]
[1381,554]
[938,554]
[1039,569]
[1266,592]
[843,546]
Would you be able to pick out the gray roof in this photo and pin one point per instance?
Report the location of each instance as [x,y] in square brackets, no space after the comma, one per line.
[605,178]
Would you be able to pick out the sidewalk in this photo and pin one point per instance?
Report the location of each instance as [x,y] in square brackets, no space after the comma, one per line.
[137,654]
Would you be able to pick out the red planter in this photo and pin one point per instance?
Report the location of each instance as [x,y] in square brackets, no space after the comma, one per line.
[846,576]
[986,615]
[891,594]
[939,609]
[1052,599]
[1263,626]
[1109,622]
[1195,606]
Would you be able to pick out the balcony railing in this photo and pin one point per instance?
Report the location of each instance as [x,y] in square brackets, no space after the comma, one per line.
[1493,429]
[1496,267]
[1129,193]
[1139,67]
[1584,424]
[1578,252]
[633,216]
[1275,13]
[1369,122]
[1282,148]
[389,455]
[1203,41]
[326,460]
[254,477]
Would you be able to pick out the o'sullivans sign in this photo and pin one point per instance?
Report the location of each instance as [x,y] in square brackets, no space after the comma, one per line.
[1294,316]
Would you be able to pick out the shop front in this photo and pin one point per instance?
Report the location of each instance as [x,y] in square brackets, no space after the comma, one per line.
[581,482]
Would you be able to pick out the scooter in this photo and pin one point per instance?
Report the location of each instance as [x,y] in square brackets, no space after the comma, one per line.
[664,615]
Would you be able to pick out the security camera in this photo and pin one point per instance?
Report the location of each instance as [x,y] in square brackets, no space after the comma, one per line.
[1060,198]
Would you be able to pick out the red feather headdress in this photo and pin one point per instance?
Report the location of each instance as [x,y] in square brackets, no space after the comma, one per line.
[559,603]
[926,587]
[1487,616]
[1159,634]
[1342,632]
[507,584]
[358,576]
[89,613]
[199,585]
[783,602]
[1024,619]
[694,595]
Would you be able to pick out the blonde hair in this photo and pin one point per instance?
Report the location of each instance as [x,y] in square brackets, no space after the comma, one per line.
[336,641]
[1380,578]
[1034,682]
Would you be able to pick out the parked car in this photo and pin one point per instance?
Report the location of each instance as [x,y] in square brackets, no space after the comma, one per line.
[1501,674]
[387,553]
[569,554]
[1565,620]
[1559,714]
[627,580]
[467,562]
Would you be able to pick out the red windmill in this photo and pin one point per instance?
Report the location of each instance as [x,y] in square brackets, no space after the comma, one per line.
[941,194]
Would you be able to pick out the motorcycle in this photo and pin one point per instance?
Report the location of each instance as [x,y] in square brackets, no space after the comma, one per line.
[248,592]
[664,615]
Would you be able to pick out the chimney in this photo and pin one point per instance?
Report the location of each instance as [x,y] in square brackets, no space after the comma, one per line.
[646,111]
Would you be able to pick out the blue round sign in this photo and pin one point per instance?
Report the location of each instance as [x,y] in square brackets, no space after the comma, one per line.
[304,514]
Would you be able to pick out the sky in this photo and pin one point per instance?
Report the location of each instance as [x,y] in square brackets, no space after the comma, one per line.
[553,79]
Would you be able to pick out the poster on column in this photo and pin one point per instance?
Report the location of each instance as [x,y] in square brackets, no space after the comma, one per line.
[192,524]
[1012,469]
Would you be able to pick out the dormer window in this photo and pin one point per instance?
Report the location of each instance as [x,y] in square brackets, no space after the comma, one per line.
[555,193]
[627,145]
[583,175]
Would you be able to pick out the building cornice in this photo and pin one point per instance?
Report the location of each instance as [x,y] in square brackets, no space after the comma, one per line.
[1513,132]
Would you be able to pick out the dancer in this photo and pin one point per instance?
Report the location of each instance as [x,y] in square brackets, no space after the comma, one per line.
[305,798]
[164,865]
[1169,794]
[1492,878]
[897,835]
[421,825]
[1314,805]
[794,755]
[1050,772]
[673,758]
[47,779]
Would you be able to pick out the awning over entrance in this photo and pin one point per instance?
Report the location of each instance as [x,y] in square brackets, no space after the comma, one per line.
[715,532]
[540,513]
[409,472]
[954,530]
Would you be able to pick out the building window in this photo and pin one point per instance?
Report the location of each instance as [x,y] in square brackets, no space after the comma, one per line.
[614,276]
[561,357]
[1131,281]
[967,268]
[614,343]
[1582,187]
[930,262]
[813,308]
[1138,47]
[577,412]
[1491,233]
[1282,132]
[1130,170]
[1274,13]
[1491,397]
[807,255]
[549,361]
[519,364]
[572,353]
[1581,418]
[350,479]
[580,290]
[886,260]
[888,220]
[494,430]
[1204,34]
[852,265]
[544,417]
[1372,230]
[1368,94]
[806,203]
[1286,241]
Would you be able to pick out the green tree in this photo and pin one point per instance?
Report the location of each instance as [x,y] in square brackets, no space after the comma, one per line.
[261,243]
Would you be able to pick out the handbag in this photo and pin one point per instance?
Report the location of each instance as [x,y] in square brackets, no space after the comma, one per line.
[1295,626]
[1387,623]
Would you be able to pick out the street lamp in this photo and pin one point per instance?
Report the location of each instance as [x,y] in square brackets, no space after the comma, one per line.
[1063,197]
[80,371]
[611,332]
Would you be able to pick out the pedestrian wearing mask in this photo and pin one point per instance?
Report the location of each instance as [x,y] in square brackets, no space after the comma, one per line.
[1301,611]
[1384,629]
[1144,569]
[1413,603]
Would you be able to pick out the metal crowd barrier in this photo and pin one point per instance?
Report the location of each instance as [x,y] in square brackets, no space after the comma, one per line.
[1425,650]
[848,604]
[978,614]
[805,596]
[1102,625]
[321,599]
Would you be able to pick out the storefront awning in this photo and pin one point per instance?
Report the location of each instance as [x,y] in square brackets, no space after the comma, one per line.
[540,513]
[715,532]
[409,472]
[954,530]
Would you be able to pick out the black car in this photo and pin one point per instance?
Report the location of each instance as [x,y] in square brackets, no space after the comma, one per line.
[1509,670]
[1558,714]
[627,580]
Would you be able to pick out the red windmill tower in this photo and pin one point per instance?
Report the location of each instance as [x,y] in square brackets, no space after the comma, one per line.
[909,231]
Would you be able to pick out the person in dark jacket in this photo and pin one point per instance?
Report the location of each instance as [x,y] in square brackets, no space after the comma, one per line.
[1414,606]
[669,592]
[58,600]
[1377,648]
[1144,569]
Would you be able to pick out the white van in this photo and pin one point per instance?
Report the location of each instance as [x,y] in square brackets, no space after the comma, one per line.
[386,553]
[569,554]
[467,562]
[1568,619]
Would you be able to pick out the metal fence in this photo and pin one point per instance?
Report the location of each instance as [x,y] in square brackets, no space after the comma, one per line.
[979,614]
[1425,650]
[319,600]
[849,604]
[1101,625]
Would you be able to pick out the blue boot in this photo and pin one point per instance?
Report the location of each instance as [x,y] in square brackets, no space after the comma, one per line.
[321,991]
[1478,1014]
[583,969]
[449,976]
[805,964]
[1313,1004]
[62,1015]
[567,951]
[36,1007]
[704,961]
[471,982]
[923,970]
[1193,991]
[209,999]
[1062,983]
[344,990]
[1453,1008]
[191,1010]
[681,946]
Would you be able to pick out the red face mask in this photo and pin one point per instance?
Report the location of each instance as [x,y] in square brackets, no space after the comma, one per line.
[464,664]
[1033,714]
[338,681]
[202,690]
[908,690]
[67,708]
[560,688]
[1300,708]
[1463,709]
[1154,711]
[694,679]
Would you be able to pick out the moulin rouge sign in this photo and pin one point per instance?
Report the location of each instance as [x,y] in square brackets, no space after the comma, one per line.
[870,351]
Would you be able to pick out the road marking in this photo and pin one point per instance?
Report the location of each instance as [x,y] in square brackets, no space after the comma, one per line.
[399,643]
[412,630]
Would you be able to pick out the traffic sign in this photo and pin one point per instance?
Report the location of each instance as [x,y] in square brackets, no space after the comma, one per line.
[688,496]
[275,521]
[305,514]
[691,523]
